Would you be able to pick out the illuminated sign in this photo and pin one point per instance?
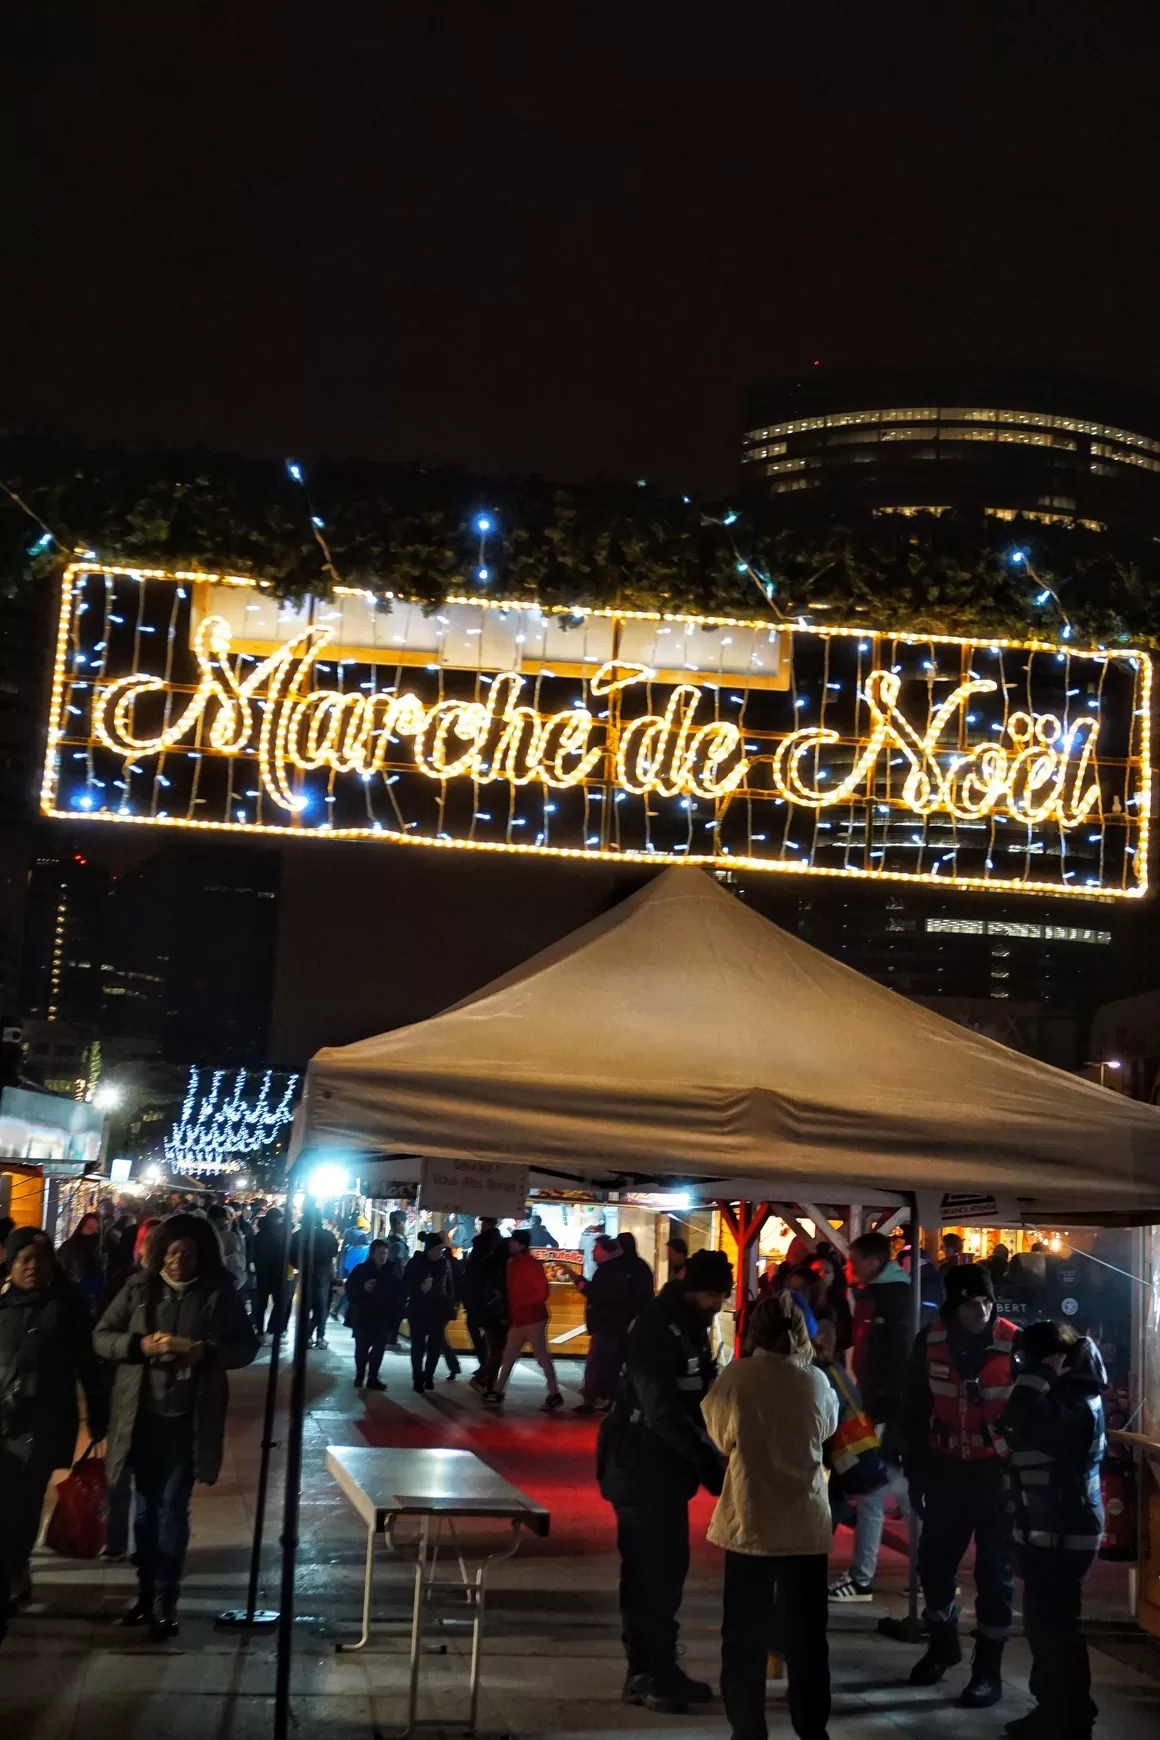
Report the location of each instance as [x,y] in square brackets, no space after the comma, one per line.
[201,701]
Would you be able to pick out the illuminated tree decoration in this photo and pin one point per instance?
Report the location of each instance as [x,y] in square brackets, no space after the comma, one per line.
[213,1132]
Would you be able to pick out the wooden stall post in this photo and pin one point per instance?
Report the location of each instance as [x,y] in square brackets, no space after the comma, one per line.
[745,1221]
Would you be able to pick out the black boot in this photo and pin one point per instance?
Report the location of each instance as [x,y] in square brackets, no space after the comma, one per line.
[163,1617]
[142,1608]
[943,1652]
[985,1686]
[1029,1727]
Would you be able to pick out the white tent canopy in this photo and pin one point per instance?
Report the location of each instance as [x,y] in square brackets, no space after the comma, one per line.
[683,1036]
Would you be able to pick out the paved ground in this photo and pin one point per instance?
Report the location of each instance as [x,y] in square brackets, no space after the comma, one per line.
[552,1664]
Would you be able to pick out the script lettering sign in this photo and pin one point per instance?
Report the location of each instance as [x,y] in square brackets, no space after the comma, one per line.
[200,701]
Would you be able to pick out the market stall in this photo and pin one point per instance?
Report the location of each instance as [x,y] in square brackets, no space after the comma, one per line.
[683,1036]
[682,1040]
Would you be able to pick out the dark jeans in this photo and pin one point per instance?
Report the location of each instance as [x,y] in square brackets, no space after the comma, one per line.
[478,1338]
[494,1337]
[1061,1680]
[797,1588]
[653,1541]
[426,1346]
[23,1485]
[368,1352]
[957,1507]
[162,1457]
[602,1367]
[270,1291]
[319,1309]
[450,1356]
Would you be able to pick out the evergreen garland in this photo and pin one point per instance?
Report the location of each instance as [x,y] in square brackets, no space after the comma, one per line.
[410,531]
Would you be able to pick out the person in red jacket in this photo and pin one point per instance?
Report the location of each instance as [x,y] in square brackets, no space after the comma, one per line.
[527,1293]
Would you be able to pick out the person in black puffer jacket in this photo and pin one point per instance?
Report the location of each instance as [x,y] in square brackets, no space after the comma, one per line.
[45,1351]
[173,1332]
[652,1455]
[485,1298]
[610,1304]
[371,1291]
[1054,1427]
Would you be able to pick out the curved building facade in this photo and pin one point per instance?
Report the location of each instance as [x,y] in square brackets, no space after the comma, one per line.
[989,446]
[995,444]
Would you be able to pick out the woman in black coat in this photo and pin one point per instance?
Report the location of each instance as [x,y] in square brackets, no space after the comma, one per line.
[372,1290]
[173,1332]
[45,1351]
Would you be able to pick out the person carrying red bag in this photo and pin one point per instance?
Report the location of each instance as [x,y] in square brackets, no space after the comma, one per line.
[46,1349]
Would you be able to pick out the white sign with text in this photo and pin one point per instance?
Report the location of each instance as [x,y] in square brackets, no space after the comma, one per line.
[473,1187]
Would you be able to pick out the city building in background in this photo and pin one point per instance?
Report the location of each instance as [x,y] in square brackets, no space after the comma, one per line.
[65,928]
[171,960]
[25,642]
[990,448]
[999,444]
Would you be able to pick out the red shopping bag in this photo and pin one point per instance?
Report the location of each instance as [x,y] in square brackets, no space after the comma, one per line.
[77,1527]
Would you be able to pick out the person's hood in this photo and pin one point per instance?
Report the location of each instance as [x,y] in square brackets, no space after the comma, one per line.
[1087,1371]
[803,1361]
[892,1275]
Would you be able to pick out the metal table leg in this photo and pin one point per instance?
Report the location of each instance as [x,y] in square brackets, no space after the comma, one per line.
[368,1579]
[417,1624]
[478,1595]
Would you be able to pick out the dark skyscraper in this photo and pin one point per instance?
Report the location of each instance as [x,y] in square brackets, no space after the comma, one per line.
[190,958]
[66,909]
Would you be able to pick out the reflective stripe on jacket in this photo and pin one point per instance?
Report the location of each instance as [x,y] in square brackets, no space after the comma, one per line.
[965,1412]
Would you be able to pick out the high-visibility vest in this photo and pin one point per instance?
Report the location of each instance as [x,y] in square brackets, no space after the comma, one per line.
[965,1412]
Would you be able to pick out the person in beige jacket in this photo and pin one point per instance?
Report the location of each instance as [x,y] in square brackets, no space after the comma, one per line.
[771,1415]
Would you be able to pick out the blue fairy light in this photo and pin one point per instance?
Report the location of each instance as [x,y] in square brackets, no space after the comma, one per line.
[731,517]
[483,524]
[294,470]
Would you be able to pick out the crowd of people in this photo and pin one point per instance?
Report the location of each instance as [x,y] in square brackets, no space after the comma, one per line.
[985,1431]
[982,1429]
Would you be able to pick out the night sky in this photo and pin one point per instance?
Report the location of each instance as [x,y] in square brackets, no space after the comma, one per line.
[556,238]
[559,238]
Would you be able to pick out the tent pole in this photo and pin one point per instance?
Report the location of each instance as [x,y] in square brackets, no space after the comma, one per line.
[294,1467]
[911,1628]
[248,1618]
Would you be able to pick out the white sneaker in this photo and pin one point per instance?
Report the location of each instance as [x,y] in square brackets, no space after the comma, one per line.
[846,1591]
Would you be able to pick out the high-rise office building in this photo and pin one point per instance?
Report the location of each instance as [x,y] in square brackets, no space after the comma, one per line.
[989,448]
[65,913]
[189,962]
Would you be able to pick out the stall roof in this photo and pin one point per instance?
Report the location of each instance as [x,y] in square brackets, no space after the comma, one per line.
[682,1035]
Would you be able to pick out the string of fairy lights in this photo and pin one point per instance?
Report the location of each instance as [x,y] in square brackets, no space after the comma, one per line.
[219,1127]
[870,832]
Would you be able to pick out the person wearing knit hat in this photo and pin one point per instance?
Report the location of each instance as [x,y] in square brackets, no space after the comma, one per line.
[46,1349]
[652,1455]
[960,1376]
